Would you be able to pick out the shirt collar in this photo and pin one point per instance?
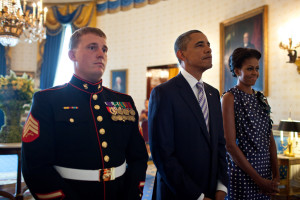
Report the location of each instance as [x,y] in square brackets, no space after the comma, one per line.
[189,78]
[86,85]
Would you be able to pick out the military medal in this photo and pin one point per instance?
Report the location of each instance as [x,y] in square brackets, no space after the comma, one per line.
[120,111]
[126,111]
[132,112]
[114,117]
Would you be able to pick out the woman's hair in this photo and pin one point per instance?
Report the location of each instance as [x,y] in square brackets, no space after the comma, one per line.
[238,57]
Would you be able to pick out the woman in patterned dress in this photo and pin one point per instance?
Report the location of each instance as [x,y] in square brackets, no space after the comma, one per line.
[252,155]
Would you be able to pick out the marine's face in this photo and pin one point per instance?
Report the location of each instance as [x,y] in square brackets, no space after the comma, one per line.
[249,72]
[90,57]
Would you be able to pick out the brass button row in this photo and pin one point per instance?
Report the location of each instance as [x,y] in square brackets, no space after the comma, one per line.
[102,130]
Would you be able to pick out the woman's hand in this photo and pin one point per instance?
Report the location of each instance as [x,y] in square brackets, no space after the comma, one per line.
[269,187]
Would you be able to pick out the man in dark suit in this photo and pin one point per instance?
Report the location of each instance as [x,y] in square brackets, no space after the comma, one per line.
[187,144]
[81,140]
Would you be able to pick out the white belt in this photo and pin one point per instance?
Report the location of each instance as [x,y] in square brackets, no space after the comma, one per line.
[107,174]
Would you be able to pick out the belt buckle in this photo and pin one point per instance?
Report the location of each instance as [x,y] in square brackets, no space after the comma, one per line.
[106,174]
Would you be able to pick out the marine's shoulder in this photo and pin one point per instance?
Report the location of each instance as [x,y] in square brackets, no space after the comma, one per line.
[116,94]
[52,91]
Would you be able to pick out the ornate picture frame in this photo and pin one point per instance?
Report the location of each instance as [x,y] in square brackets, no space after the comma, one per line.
[246,30]
[119,80]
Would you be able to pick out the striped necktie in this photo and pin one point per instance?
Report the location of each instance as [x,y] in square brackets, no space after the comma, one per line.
[203,103]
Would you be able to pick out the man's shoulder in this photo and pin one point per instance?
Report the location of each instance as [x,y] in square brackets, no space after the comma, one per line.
[169,84]
[210,87]
[52,90]
[114,94]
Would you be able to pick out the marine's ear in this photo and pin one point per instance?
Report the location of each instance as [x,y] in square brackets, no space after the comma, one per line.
[71,54]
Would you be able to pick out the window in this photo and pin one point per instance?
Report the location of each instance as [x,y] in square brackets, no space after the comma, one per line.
[65,68]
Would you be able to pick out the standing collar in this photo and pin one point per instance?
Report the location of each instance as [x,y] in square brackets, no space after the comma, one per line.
[189,78]
[86,85]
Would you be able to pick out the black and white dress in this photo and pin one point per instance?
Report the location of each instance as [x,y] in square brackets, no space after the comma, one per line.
[253,128]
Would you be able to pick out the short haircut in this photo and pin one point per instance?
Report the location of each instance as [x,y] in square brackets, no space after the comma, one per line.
[75,38]
[182,41]
[238,57]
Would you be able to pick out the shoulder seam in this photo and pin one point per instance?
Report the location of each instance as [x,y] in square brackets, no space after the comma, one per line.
[115,91]
[58,88]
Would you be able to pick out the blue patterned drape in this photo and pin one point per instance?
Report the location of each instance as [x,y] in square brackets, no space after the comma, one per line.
[2,61]
[50,60]
[106,6]
[2,72]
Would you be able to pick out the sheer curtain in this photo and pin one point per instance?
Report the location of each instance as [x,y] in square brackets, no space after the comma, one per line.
[65,67]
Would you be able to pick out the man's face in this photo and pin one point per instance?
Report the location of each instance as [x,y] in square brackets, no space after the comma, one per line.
[197,55]
[246,38]
[90,57]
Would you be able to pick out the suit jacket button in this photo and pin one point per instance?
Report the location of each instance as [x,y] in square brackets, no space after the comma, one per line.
[106,158]
[104,144]
[99,118]
[95,97]
[97,107]
[102,131]
[71,120]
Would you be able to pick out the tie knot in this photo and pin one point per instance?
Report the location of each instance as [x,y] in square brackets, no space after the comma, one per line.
[200,86]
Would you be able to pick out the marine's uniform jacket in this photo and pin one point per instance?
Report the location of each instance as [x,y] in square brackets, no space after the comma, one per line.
[78,126]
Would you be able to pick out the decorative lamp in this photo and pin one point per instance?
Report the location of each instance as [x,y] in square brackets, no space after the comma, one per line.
[293,127]
[292,53]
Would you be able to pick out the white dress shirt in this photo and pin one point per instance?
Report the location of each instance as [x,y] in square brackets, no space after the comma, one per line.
[193,82]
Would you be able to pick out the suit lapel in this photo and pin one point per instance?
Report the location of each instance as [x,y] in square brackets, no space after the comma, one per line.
[188,96]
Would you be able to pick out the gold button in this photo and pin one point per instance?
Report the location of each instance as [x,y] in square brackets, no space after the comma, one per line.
[99,118]
[95,97]
[106,158]
[97,107]
[104,144]
[140,195]
[102,131]
[71,120]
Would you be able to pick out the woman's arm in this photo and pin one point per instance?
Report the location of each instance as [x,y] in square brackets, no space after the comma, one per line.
[274,163]
[235,152]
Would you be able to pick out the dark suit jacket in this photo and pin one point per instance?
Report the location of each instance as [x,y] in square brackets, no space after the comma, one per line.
[189,160]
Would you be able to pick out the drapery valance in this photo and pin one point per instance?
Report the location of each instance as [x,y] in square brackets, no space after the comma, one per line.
[113,6]
[77,15]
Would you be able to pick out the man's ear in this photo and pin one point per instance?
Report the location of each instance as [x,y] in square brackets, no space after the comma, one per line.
[71,54]
[180,55]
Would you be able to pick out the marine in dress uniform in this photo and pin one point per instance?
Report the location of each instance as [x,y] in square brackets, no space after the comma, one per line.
[75,131]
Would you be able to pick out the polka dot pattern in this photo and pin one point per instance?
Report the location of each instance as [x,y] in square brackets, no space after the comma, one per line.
[253,129]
